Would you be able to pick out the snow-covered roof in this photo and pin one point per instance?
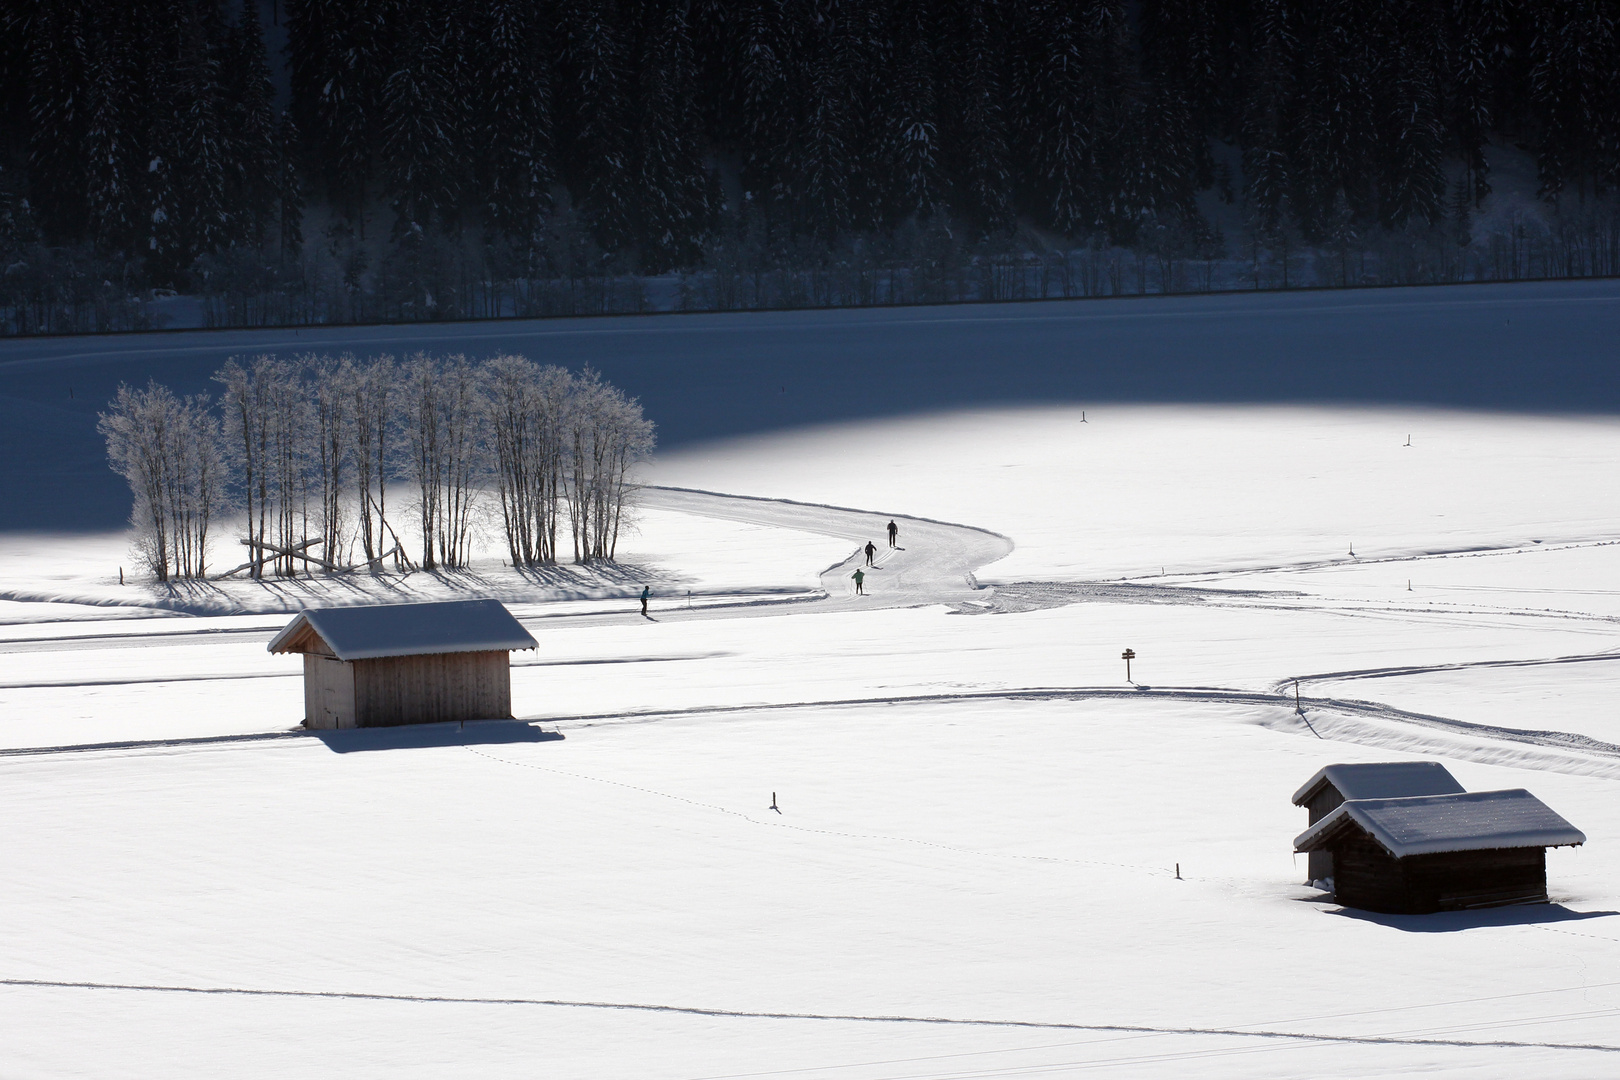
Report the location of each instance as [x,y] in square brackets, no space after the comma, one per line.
[1426,824]
[1381,780]
[366,633]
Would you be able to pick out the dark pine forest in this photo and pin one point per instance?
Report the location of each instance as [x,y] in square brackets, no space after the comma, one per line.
[326,160]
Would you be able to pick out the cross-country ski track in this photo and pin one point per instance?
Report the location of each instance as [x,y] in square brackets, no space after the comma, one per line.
[933,563]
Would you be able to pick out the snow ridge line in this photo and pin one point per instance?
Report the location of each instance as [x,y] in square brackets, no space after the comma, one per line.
[1478,551]
[1429,669]
[1559,741]
[1156,870]
[829,506]
[746,1014]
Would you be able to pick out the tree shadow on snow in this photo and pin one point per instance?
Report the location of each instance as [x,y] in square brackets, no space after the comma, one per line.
[1445,922]
[421,736]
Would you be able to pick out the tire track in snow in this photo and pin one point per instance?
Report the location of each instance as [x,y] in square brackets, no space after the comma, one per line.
[1559,751]
[1395,1039]
[939,569]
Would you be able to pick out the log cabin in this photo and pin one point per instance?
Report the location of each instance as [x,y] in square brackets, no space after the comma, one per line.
[1333,784]
[1428,853]
[390,664]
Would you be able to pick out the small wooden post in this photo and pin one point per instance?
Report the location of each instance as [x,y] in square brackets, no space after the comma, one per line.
[1128,655]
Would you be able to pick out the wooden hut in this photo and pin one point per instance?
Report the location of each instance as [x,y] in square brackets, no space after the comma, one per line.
[405,663]
[1430,853]
[1333,784]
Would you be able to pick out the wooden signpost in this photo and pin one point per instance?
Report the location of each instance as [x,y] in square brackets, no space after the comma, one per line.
[1128,655]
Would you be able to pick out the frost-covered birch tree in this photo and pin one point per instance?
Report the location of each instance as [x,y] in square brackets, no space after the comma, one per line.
[372,400]
[525,407]
[331,457]
[607,436]
[168,449]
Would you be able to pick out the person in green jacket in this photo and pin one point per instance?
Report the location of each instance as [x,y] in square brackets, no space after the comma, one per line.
[860,577]
[646,592]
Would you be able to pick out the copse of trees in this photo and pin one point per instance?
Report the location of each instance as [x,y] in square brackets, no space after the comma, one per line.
[305,450]
[500,143]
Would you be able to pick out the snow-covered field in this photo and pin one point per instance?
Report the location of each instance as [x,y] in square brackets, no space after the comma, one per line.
[974,868]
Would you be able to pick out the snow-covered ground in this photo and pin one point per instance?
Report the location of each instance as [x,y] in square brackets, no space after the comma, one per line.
[973,872]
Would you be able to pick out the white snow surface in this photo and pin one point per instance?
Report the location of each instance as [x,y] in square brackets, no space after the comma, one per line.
[1466,821]
[990,855]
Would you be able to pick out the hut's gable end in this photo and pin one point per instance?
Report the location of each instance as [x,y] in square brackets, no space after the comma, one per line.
[1324,802]
[1366,876]
[300,637]
[328,692]
[447,687]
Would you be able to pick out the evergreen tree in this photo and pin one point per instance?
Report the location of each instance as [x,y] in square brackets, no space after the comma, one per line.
[822,163]
[185,137]
[1412,182]
[669,186]
[1265,115]
[112,161]
[251,152]
[1058,98]
[339,57]
[1576,88]
[592,117]
[1472,31]
[974,137]
[914,152]
[56,46]
[419,125]
[289,190]
[512,131]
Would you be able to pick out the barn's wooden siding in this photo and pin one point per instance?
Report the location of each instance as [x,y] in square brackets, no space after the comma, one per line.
[1457,880]
[1319,806]
[328,692]
[432,689]
[1368,877]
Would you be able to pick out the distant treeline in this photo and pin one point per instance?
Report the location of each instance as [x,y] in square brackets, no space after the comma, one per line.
[306,450]
[546,156]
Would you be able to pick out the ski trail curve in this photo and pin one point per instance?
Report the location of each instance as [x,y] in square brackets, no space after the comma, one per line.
[933,561]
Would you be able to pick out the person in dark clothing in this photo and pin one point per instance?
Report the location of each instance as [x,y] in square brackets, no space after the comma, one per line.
[860,578]
[646,593]
[894,531]
[871,550]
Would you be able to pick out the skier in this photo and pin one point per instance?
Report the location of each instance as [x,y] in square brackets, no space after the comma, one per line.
[860,578]
[894,531]
[871,550]
[646,593]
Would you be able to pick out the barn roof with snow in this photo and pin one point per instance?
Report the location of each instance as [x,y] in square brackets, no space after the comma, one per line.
[1380,780]
[1430,824]
[368,633]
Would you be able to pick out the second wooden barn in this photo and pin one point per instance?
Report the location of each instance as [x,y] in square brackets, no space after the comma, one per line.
[395,664]
[1335,784]
[1430,853]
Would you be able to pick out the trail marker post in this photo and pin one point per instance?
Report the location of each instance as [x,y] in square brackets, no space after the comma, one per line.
[1128,655]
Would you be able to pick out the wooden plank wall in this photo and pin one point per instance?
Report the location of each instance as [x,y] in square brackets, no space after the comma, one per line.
[433,689]
[1366,876]
[328,692]
[1456,880]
